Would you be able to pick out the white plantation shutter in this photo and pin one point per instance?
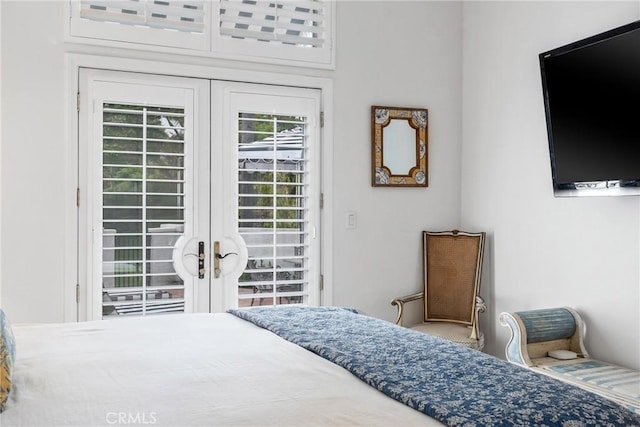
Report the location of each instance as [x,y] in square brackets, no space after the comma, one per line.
[143,210]
[299,30]
[170,23]
[289,31]
[165,14]
[273,209]
[298,23]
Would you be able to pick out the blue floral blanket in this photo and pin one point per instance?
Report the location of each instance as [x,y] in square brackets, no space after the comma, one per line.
[451,383]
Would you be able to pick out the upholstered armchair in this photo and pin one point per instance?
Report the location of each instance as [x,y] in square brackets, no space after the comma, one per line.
[450,295]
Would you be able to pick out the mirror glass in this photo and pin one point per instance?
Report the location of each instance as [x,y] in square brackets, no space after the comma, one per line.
[398,147]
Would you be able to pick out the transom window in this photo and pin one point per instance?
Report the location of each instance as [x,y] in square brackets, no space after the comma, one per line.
[298,32]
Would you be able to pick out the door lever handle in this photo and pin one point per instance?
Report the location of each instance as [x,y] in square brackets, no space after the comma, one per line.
[220,256]
[217,256]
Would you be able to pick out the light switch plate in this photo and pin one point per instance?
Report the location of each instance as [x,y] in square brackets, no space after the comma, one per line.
[352,220]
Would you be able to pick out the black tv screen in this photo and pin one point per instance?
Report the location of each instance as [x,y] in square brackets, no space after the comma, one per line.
[592,103]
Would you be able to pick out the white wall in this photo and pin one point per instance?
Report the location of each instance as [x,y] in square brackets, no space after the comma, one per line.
[0,158]
[417,64]
[33,160]
[414,60]
[543,251]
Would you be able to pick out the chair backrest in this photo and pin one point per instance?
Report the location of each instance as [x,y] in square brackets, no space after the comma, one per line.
[452,273]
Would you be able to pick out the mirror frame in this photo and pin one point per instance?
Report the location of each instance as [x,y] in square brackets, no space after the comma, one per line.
[417,119]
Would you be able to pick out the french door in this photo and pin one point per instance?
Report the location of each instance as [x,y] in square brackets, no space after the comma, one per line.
[196,195]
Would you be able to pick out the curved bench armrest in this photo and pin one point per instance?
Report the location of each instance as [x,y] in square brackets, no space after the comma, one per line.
[516,350]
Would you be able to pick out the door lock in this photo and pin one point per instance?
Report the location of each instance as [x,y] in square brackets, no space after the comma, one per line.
[201,269]
[200,256]
[217,256]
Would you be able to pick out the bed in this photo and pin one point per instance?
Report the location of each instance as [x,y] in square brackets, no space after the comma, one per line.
[283,366]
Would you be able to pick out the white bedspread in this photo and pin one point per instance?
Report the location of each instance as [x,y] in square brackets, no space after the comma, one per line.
[184,370]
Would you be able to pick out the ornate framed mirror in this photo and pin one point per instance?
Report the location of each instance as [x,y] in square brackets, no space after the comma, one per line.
[399,146]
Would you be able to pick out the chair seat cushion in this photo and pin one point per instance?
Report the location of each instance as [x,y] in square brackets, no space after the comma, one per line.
[451,332]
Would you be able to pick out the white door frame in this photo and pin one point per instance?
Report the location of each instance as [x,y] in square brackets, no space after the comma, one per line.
[75,283]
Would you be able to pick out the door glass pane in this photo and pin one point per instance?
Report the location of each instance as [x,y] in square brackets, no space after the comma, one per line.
[272,208]
[142,209]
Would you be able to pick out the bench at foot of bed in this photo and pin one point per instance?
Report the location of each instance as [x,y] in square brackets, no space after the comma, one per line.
[550,341]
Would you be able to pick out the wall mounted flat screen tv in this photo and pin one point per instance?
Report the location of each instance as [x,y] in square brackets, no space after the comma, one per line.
[591,94]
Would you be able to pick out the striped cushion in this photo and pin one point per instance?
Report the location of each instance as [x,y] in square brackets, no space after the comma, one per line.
[623,384]
[548,324]
[7,355]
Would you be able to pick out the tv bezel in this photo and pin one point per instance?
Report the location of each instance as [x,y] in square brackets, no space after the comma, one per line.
[614,187]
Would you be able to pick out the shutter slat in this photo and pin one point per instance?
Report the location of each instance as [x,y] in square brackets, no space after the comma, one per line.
[117,17]
[289,10]
[260,26]
[178,10]
[248,34]
[129,6]
[168,24]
